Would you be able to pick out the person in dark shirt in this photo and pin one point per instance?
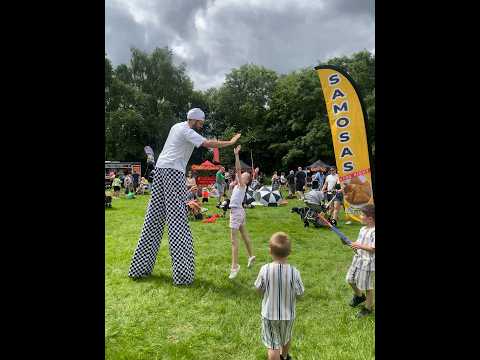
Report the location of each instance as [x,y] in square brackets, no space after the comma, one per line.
[300,178]
[136,180]
[291,184]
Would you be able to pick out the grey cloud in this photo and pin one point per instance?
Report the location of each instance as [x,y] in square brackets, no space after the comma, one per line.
[179,15]
[282,39]
[352,7]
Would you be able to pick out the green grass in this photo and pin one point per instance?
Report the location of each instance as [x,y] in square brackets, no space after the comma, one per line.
[217,318]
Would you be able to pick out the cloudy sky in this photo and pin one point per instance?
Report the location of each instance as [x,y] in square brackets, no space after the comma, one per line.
[214,36]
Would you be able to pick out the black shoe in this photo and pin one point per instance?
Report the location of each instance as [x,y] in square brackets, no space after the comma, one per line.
[364,312]
[135,278]
[357,300]
[285,358]
[333,222]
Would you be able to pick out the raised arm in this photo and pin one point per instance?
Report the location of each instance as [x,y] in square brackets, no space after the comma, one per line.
[221,143]
[238,168]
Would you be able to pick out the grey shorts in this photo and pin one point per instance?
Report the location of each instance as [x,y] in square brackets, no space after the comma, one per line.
[339,197]
[220,188]
[363,279]
[276,333]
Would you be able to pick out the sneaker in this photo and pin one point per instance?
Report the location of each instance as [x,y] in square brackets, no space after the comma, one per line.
[357,300]
[139,277]
[251,260]
[364,312]
[286,358]
[234,273]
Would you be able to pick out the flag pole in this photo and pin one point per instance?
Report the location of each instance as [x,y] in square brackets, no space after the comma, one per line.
[251,158]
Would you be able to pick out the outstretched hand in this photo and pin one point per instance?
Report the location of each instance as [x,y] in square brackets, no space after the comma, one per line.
[236,151]
[235,138]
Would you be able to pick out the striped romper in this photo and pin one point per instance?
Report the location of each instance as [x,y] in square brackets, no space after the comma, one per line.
[281,284]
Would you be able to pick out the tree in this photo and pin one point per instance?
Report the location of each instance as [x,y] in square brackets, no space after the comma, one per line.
[282,118]
[125,128]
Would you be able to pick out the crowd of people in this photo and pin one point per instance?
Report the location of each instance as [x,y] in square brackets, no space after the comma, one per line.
[131,182]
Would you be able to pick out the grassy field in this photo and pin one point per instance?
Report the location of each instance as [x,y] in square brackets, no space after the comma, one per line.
[218,318]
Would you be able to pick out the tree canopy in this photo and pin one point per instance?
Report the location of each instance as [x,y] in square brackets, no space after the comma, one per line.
[282,117]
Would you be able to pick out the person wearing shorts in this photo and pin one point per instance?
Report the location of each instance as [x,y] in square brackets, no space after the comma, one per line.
[361,274]
[237,217]
[220,184]
[280,283]
[117,184]
[334,188]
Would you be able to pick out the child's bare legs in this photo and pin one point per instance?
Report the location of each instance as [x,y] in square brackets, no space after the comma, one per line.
[285,349]
[369,302]
[273,354]
[234,239]
[356,290]
[336,210]
[246,240]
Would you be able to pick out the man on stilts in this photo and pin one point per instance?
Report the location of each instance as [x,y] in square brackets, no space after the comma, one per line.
[168,203]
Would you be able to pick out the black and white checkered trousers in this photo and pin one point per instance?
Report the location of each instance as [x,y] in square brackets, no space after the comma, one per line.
[167,202]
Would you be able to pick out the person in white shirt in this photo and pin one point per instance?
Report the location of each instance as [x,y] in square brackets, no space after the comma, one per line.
[167,203]
[237,216]
[280,283]
[334,188]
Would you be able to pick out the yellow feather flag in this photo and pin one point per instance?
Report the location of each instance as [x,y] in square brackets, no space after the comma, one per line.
[346,117]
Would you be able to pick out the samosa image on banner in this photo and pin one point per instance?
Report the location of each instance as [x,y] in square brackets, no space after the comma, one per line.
[347,117]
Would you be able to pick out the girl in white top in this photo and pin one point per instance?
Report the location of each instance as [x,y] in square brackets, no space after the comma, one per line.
[237,216]
[190,181]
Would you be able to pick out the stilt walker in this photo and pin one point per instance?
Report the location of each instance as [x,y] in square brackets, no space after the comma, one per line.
[168,203]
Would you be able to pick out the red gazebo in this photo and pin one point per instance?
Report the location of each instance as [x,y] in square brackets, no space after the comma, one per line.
[207,171]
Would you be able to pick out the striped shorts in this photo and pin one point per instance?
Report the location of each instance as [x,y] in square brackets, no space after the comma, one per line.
[276,333]
[363,279]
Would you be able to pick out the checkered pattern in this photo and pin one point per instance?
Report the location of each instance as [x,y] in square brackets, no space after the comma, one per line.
[363,279]
[167,203]
[276,333]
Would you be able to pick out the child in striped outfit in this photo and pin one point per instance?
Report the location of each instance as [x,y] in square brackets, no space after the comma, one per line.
[361,274]
[280,284]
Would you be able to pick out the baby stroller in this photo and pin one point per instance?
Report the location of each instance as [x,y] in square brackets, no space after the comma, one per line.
[315,203]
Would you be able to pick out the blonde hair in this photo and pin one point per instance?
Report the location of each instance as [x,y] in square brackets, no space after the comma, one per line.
[280,244]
